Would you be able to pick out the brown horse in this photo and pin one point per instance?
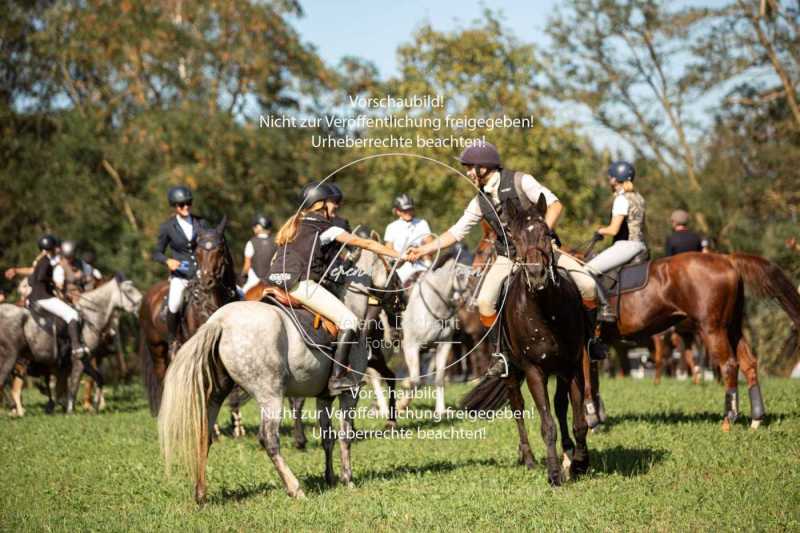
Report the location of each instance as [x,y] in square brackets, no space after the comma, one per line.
[546,330]
[708,289]
[213,287]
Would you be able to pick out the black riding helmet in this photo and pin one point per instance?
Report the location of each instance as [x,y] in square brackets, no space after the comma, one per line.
[338,196]
[315,192]
[179,195]
[48,242]
[403,202]
[262,220]
[621,171]
[481,154]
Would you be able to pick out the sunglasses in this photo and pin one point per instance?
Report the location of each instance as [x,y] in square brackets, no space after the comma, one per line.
[183,204]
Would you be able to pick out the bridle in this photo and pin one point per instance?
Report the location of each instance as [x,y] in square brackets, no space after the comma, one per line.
[521,264]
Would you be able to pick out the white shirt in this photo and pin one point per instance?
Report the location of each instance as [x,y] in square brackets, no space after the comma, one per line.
[404,235]
[473,214]
[186,226]
[249,250]
[621,205]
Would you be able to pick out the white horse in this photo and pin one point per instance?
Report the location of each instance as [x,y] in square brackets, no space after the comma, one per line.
[258,347]
[22,335]
[430,320]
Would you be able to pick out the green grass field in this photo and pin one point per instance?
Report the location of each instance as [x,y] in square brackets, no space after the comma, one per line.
[664,464]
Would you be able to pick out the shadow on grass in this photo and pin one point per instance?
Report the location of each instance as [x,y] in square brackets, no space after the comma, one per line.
[628,462]
[677,417]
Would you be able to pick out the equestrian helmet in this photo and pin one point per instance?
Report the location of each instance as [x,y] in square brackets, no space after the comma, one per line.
[179,195]
[621,171]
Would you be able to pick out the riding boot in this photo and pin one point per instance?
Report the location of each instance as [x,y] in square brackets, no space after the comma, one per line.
[499,366]
[605,313]
[78,349]
[343,377]
[598,350]
[173,323]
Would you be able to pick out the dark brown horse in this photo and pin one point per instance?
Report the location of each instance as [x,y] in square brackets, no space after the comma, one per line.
[213,287]
[708,290]
[546,331]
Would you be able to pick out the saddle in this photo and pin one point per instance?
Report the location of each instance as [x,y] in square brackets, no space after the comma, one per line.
[318,328]
[630,277]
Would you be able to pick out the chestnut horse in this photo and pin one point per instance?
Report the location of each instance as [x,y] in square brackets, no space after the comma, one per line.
[708,290]
[213,287]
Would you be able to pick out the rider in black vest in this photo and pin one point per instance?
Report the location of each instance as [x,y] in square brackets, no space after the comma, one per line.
[300,262]
[498,190]
[258,253]
[43,293]
[178,234]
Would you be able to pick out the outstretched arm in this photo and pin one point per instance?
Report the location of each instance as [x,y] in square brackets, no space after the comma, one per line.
[367,244]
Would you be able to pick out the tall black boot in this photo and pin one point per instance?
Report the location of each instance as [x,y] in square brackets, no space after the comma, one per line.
[173,323]
[499,366]
[598,350]
[78,349]
[605,313]
[342,377]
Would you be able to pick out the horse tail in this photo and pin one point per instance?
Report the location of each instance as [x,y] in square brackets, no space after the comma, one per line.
[765,279]
[183,420]
[152,386]
[490,394]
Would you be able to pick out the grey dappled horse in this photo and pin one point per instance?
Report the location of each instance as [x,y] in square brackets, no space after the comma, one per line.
[20,335]
[257,346]
[430,320]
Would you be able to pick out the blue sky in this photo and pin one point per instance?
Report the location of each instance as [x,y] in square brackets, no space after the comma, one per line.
[374,29]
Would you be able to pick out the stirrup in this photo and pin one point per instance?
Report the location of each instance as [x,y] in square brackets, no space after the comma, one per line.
[606,314]
[498,370]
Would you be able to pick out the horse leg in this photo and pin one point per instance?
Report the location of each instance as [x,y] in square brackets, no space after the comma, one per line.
[73,382]
[567,445]
[537,383]
[16,395]
[688,356]
[379,363]
[269,437]
[749,363]
[347,404]
[518,409]
[298,431]
[90,369]
[374,379]
[660,344]
[215,401]
[442,354]
[88,387]
[411,354]
[718,344]
[580,457]
[48,387]
[589,405]
[324,411]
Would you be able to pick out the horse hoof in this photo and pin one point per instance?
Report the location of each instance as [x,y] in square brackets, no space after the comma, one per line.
[200,496]
[391,424]
[593,420]
[299,495]
[755,424]
[300,445]
[726,425]
[554,479]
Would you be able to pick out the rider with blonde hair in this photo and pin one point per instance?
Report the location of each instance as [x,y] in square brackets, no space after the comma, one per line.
[300,261]
[627,227]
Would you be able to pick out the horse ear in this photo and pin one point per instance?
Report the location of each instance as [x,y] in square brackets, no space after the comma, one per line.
[541,205]
[222,224]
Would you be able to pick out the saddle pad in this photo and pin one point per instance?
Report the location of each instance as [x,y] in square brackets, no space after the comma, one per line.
[315,335]
[631,277]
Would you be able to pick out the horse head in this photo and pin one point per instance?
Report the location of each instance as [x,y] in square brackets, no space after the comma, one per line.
[213,256]
[534,249]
